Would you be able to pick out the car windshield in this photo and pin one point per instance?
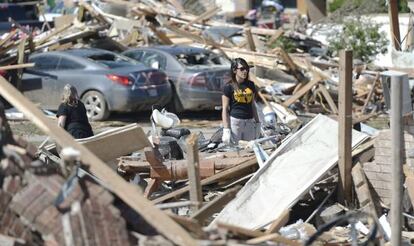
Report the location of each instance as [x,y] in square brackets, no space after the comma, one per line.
[112,60]
[201,59]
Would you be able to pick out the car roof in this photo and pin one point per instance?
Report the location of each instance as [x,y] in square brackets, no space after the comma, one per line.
[83,52]
[175,49]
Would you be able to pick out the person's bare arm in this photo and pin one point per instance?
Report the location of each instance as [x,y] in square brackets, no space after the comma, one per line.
[225,101]
[62,121]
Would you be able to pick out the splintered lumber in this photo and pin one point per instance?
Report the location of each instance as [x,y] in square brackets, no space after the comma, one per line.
[8,37]
[188,223]
[193,167]
[204,16]
[274,37]
[362,190]
[129,193]
[17,66]
[249,38]
[230,172]
[161,35]
[52,33]
[279,222]
[302,91]
[215,206]
[345,126]
[328,98]
[240,230]
[371,92]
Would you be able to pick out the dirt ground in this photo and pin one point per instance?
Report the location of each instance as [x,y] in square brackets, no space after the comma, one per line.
[205,121]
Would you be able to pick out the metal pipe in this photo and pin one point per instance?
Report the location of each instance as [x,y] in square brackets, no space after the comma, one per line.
[397,81]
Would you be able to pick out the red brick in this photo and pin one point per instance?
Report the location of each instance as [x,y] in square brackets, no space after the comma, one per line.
[25,197]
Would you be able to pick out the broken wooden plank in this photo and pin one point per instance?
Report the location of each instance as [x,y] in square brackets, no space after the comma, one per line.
[204,16]
[302,91]
[240,230]
[246,165]
[193,170]
[161,35]
[345,126]
[328,98]
[17,66]
[188,223]
[274,37]
[8,37]
[249,38]
[20,60]
[215,206]
[371,92]
[129,193]
[279,222]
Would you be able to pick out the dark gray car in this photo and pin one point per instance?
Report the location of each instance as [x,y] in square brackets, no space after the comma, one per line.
[197,74]
[105,81]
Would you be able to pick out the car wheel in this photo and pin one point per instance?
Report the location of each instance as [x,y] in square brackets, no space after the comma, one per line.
[96,107]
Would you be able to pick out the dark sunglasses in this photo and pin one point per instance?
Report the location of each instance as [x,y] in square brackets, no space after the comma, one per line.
[242,68]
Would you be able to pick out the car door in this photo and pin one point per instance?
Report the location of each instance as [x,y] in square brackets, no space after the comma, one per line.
[70,72]
[38,86]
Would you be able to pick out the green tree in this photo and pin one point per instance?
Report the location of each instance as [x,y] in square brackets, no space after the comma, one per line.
[360,35]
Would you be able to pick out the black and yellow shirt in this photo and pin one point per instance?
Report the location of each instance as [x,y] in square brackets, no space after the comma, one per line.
[241,99]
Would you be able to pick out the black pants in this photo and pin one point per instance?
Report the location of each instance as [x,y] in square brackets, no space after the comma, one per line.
[80,133]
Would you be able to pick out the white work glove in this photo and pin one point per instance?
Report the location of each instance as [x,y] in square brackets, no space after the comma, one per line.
[226,136]
[258,128]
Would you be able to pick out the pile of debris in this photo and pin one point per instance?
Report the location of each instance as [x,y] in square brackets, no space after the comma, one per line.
[278,189]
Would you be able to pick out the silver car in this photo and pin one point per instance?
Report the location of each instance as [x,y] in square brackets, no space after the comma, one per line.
[197,75]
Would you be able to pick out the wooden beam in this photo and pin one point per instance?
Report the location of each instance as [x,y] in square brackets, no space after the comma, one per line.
[8,37]
[394,24]
[252,163]
[161,35]
[204,16]
[129,193]
[249,38]
[17,66]
[20,60]
[274,37]
[302,91]
[328,98]
[193,169]
[371,92]
[279,222]
[239,230]
[345,126]
[216,205]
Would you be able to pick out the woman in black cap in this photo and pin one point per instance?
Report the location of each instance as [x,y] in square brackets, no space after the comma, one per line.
[240,119]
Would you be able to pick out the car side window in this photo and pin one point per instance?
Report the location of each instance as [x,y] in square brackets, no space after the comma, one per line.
[67,64]
[136,55]
[154,60]
[45,63]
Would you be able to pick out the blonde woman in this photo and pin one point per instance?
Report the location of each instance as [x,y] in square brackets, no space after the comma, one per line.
[72,114]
